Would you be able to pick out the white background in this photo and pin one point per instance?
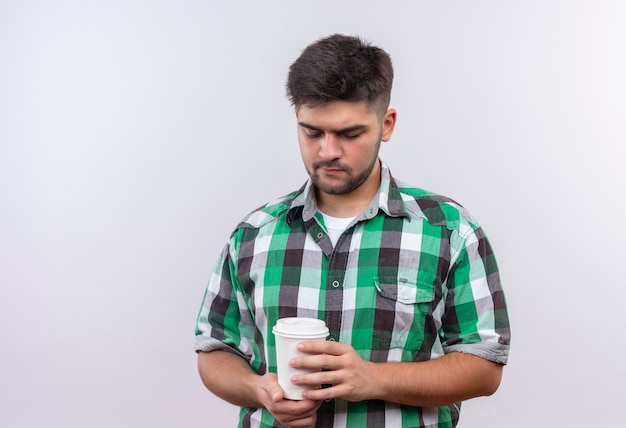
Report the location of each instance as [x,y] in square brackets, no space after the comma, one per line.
[135,134]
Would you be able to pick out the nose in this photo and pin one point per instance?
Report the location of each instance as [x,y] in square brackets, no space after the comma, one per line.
[330,147]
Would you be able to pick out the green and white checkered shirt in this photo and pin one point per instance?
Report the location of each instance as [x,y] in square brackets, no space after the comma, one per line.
[411,279]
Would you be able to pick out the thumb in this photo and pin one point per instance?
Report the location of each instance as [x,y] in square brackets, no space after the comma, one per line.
[272,388]
[276,392]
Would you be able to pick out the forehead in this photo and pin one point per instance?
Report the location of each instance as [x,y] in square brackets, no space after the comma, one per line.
[336,114]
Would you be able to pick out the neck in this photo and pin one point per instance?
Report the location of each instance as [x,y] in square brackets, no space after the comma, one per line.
[353,203]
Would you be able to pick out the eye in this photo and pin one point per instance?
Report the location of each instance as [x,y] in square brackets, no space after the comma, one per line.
[313,135]
[352,136]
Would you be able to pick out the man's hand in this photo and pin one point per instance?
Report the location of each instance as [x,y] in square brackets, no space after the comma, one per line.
[288,412]
[350,376]
[218,369]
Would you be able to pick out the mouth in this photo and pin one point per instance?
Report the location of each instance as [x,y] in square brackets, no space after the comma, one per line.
[329,170]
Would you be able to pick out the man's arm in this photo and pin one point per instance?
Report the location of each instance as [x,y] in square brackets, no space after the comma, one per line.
[451,378]
[231,378]
[218,369]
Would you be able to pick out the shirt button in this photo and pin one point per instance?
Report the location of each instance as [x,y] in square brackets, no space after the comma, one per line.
[332,339]
[319,235]
[335,284]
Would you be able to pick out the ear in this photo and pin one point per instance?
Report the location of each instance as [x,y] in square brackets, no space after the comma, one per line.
[389,123]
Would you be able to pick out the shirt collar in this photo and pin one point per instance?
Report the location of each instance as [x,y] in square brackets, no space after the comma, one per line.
[387,199]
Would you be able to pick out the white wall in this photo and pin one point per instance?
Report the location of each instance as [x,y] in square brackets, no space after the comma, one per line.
[127,128]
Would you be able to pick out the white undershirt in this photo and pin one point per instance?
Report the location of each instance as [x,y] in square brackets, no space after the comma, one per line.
[336,226]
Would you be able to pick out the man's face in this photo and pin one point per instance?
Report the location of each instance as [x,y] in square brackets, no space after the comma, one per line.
[339,143]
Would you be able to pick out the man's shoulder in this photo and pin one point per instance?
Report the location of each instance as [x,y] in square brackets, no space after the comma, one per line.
[436,209]
[268,212]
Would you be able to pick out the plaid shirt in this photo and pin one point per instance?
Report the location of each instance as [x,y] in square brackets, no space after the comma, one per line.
[411,279]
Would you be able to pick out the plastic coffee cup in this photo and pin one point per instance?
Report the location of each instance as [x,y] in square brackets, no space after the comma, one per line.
[288,332]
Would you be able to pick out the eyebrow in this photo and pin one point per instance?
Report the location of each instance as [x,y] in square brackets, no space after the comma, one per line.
[345,130]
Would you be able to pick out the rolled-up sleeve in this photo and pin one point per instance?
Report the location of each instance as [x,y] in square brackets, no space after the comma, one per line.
[476,319]
[219,319]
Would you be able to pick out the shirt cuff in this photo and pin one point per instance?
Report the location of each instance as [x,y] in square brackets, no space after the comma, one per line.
[210,344]
[496,352]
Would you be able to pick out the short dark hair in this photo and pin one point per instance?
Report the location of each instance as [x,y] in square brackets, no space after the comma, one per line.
[340,68]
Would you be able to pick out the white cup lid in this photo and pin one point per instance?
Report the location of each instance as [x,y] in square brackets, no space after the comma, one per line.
[301,327]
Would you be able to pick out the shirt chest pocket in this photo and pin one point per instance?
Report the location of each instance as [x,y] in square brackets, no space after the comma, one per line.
[403,291]
[403,315]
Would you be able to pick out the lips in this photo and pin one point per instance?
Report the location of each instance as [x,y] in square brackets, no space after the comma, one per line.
[332,170]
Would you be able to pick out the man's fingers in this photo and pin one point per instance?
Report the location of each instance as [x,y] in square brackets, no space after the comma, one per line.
[322,347]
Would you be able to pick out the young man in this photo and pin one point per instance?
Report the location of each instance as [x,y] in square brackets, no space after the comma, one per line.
[405,280]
